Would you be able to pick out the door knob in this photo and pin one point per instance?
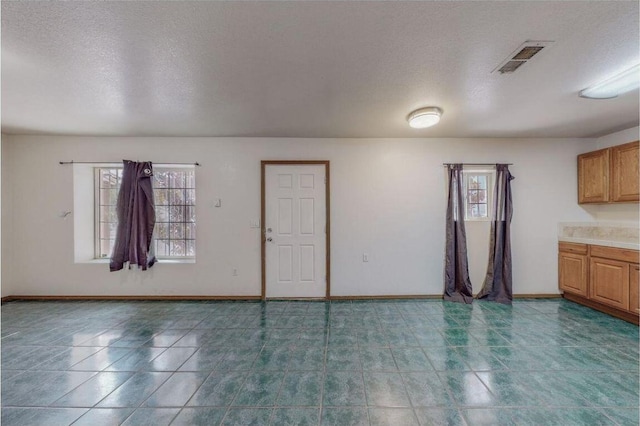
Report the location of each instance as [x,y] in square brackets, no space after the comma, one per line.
[268,229]
[269,239]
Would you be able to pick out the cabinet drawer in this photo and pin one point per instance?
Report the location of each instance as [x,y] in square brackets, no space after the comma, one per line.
[572,248]
[625,255]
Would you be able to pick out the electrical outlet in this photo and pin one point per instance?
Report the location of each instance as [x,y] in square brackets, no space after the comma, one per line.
[365,257]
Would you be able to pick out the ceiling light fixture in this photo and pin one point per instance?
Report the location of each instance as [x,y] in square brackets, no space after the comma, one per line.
[624,82]
[424,117]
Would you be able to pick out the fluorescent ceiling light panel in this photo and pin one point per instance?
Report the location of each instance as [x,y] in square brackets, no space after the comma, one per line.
[611,88]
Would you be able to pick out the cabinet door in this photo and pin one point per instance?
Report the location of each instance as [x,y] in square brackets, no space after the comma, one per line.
[593,177]
[625,178]
[634,289]
[609,282]
[572,273]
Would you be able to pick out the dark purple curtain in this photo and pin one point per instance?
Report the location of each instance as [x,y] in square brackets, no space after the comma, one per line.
[457,286]
[498,282]
[136,218]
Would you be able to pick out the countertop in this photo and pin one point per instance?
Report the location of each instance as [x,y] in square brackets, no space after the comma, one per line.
[609,234]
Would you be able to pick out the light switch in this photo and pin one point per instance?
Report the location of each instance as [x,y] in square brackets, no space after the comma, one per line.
[218,202]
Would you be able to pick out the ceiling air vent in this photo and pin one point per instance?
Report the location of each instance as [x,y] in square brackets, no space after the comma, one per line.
[522,55]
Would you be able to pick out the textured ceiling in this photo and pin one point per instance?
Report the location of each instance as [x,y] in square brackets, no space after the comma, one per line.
[312,69]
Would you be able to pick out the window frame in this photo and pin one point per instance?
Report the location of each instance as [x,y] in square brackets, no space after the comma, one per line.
[490,174]
[97,255]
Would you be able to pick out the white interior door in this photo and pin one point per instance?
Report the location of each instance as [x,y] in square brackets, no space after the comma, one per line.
[295,231]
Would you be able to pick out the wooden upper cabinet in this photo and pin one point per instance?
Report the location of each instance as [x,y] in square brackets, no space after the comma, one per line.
[593,177]
[610,175]
[625,177]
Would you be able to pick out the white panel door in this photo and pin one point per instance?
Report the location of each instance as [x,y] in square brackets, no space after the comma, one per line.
[295,231]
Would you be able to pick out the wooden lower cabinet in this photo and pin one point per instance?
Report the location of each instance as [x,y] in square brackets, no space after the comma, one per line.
[609,282]
[634,288]
[572,273]
[603,278]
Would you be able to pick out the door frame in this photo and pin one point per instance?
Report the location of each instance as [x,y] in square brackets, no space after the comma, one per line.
[263,237]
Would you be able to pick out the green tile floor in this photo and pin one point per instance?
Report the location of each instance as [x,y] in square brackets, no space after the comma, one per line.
[383,362]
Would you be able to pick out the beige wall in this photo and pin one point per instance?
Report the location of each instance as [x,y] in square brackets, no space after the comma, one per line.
[387,199]
[2,288]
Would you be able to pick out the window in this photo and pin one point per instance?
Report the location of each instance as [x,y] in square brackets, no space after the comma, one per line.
[477,194]
[175,202]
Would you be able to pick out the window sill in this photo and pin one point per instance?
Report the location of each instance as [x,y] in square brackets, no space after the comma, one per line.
[162,261]
[170,261]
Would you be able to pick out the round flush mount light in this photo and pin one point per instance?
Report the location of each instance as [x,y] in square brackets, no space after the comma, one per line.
[424,117]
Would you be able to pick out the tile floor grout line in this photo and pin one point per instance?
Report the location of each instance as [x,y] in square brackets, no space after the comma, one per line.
[324,364]
[275,401]
[404,384]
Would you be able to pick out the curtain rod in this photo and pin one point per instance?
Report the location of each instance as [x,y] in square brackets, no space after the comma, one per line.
[477,164]
[113,162]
